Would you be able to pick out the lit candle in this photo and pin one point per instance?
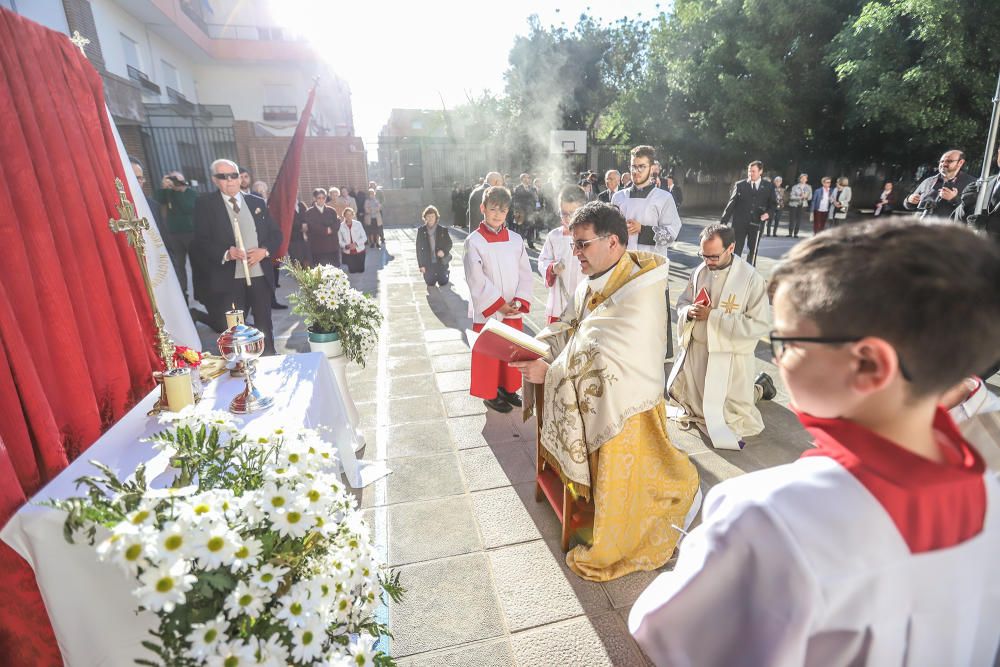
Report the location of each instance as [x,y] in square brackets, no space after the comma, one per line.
[180,393]
[234,317]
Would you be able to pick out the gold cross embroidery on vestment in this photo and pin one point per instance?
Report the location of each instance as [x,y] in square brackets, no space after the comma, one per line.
[730,305]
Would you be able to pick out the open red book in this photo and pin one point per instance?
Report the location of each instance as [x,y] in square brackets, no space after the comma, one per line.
[703,298]
[503,342]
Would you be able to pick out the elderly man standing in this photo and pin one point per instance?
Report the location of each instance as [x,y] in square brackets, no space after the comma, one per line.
[218,248]
[612,179]
[939,195]
[723,313]
[603,421]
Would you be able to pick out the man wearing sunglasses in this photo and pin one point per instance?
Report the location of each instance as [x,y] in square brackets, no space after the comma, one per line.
[216,216]
[603,422]
[723,312]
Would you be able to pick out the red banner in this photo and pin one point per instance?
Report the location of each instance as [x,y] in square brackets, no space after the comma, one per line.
[285,193]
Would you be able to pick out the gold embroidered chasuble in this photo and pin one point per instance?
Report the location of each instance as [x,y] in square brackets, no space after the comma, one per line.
[604,392]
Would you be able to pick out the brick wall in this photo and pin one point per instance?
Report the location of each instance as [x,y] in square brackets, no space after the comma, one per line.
[132,139]
[326,161]
[80,16]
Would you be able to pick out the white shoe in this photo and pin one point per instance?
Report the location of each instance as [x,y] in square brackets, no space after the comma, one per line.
[693,512]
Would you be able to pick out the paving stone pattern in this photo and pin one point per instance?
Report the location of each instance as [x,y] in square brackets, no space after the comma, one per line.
[486,582]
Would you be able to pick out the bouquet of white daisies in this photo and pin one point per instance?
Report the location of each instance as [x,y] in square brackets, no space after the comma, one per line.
[255,555]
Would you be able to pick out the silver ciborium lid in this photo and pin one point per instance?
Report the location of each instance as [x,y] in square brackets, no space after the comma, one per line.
[242,345]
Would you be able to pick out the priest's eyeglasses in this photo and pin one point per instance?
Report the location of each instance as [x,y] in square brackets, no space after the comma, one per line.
[223,177]
[580,246]
[780,343]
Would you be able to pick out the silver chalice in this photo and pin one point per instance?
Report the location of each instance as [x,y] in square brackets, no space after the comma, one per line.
[242,345]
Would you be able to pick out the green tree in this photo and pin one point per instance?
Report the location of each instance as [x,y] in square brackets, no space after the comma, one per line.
[918,76]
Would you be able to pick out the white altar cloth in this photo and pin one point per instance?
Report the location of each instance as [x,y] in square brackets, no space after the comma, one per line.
[89,603]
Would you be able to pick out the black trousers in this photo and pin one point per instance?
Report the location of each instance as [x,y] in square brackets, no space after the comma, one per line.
[179,249]
[795,215]
[254,299]
[745,234]
[438,273]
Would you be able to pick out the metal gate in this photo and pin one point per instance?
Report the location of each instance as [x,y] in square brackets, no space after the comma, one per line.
[188,138]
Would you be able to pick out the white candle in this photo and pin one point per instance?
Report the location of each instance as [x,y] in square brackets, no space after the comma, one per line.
[234,317]
[239,244]
[180,393]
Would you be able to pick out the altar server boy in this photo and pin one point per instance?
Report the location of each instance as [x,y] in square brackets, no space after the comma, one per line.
[500,282]
[879,546]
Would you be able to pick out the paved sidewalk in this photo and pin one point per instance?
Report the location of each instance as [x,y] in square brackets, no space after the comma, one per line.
[486,580]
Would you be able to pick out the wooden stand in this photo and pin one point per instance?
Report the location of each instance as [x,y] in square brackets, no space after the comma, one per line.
[572,513]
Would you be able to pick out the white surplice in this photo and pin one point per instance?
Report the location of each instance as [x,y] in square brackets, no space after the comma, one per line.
[657,210]
[800,566]
[496,270]
[558,247]
[713,378]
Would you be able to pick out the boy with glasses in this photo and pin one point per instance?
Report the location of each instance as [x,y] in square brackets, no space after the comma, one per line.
[723,312]
[500,284]
[879,546]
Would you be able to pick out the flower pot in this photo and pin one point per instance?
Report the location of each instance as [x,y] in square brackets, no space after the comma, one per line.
[329,344]
[326,342]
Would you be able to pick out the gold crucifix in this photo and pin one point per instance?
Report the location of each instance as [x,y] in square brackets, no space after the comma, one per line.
[79,41]
[133,227]
[730,305]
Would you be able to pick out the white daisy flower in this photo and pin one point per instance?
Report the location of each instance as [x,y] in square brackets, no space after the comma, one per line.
[173,541]
[206,637]
[308,641]
[362,650]
[201,509]
[296,608]
[272,652]
[295,521]
[233,654]
[129,549]
[273,499]
[247,554]
[144,515]
[246,599]
[215,545]
[269,577]
[164,587]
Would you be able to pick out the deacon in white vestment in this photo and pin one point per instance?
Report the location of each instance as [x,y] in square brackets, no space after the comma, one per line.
[560,269]
[712,382]
[500,285]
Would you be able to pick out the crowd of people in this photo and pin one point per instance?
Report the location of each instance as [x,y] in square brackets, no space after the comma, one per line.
[199,231]
[876,326]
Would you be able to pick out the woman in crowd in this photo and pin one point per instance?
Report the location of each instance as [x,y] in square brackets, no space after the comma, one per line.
[322,223]
[841,200]
[780,193]
[373,216]
[886,200]
[352,242]
[798,204]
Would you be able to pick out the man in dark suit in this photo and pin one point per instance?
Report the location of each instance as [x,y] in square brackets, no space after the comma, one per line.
[752,203]
[676,191]
[612,179]
[989,220]
[472,214]
[221,258]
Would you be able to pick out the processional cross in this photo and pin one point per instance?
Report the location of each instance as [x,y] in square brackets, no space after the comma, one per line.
[79,41]
[133,227]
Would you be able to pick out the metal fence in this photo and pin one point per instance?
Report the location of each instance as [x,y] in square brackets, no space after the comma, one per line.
[188,139]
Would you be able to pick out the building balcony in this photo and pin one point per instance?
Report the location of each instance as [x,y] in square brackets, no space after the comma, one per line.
[287,113]
[143,80]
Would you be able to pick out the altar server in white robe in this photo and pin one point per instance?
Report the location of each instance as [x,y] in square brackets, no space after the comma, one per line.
[712,382]
[560,269]
[976,410]
[500,283]
[879,546]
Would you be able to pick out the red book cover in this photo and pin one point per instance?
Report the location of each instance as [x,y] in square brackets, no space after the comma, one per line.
[499,341]
[703,298]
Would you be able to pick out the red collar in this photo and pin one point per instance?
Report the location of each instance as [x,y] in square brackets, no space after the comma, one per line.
[493,236]
[933,505]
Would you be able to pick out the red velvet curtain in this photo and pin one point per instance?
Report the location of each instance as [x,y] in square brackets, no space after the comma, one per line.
[75,322]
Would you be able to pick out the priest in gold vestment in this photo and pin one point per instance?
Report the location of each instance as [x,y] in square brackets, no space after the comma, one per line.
[603,421]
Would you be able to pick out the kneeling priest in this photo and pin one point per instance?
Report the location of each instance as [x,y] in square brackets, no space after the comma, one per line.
[603,420]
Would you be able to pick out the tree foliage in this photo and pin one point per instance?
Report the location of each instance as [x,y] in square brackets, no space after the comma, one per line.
[716,82]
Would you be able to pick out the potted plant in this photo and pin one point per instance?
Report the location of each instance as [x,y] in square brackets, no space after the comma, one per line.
[339,318]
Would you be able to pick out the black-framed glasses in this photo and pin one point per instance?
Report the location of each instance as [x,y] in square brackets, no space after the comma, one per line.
[580,246]
[224,177]
[780,343]
[639,167]
[712,258]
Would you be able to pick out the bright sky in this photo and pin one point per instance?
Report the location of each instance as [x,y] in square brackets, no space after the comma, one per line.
[421,55]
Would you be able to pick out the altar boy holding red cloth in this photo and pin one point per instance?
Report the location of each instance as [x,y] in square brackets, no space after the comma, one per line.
[500,281]
[879,546]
